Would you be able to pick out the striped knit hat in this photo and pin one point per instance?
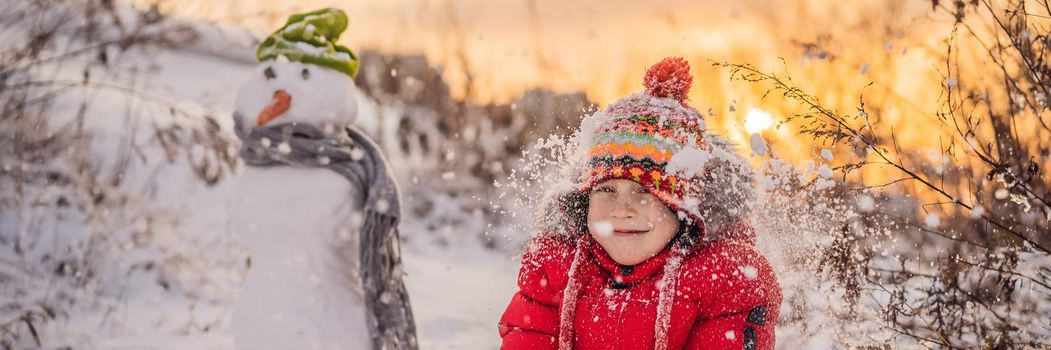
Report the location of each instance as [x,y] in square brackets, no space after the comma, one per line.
[653,138]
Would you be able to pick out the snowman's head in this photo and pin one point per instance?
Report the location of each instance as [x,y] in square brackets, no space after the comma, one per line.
[290,91]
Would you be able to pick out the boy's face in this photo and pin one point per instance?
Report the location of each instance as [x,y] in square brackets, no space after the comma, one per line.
[628,221]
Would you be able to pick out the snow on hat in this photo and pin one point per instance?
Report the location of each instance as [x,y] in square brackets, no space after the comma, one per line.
[311,38]
[653,138]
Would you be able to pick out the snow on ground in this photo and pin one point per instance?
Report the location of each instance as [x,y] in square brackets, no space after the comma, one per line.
[458,296]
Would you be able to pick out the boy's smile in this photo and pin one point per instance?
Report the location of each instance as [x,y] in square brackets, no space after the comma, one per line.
[629,232]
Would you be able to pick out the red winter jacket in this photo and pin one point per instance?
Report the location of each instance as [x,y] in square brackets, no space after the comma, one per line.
[726,296]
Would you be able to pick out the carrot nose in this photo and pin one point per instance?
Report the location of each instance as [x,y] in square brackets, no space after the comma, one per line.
[278,105]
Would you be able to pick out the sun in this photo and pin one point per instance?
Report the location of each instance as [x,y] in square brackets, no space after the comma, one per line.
[757,120]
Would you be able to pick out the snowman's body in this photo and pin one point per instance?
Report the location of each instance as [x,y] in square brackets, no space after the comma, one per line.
[300,225]
[302,290]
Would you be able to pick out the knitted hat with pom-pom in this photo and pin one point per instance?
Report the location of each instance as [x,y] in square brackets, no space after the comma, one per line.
[653,138]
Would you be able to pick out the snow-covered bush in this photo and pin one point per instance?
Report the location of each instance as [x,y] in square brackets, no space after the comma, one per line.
[77,230]
[954,249]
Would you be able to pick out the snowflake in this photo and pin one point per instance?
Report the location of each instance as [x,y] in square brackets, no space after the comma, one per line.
[932,220]
[758,144]
[604,228]
[284,148]
[827,154]
[356,154]
[750,272]
[865,203]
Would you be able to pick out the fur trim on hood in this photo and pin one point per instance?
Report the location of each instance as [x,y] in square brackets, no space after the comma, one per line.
[729,189]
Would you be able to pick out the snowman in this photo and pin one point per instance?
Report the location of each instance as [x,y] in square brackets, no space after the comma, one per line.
[307,200]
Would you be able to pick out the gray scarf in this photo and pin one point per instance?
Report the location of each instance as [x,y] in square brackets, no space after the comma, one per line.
[356,157]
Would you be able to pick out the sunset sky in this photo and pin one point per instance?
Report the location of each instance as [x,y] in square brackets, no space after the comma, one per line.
[602,47]
[832,49]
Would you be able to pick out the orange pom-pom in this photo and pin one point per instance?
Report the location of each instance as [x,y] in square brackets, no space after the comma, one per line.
[669,78]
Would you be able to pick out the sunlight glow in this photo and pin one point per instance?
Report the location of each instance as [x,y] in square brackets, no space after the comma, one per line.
[757,120]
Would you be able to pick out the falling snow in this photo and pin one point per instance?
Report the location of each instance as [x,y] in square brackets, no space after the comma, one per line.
[932,220]
[827,154]
[758,144]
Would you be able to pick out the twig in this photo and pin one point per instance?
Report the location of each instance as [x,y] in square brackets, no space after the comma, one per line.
[751,74]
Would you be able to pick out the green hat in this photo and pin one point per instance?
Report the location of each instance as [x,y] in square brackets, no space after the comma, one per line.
[311,38]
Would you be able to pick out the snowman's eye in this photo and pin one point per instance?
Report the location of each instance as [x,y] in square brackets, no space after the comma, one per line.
[269,73]
[306,74]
